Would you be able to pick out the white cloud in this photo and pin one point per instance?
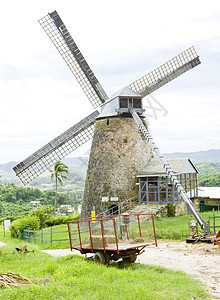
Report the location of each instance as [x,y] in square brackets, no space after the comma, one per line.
[121,41]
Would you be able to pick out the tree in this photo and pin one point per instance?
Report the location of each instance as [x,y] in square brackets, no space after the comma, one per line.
[58,173]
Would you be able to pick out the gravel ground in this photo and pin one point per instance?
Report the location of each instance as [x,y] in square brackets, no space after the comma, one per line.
[200,260]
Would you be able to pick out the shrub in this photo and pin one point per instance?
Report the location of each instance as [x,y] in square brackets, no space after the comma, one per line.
[60,220]
[17,227]
[43,213]
[170,210]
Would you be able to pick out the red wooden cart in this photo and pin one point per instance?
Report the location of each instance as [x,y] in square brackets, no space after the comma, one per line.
[112,237]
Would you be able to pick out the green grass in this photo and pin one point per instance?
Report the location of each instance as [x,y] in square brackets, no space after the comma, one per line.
[72,277]
[175,228]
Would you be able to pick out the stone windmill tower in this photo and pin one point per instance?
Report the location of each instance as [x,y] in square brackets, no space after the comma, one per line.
[119,148]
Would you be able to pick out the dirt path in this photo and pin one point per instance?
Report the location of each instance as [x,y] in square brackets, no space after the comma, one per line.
[200,260]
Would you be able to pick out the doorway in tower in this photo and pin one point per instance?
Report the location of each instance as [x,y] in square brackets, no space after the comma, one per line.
[113,209]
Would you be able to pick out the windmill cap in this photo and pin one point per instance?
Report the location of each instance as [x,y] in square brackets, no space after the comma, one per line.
[125,92]
[112,107]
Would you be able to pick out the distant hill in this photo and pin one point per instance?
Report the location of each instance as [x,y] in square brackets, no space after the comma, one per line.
[198,156]
[209,167]
[77,167]
[207,162]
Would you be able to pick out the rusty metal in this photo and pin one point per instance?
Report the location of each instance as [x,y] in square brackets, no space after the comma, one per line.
[118,248]
[217,238]
[126,227]
[90,234]
[80,241]
[103,234]
[70,239]
[139,225]
[155,236]
[116,237]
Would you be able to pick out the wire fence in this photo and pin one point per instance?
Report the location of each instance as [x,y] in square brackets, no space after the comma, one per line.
[46,235]
[214,223]
[165,229]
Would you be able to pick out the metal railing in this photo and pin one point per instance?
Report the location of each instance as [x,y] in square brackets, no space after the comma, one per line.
[214,220]
[45,235]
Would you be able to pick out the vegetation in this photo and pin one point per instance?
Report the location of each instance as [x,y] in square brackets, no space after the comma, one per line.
[15,201]
[76,165]
[17,227]
[209,180]
[170,210]
[41,217]
[177,228]
[209,173]
[209,167]
[58,173]
[43,214]
[72,277]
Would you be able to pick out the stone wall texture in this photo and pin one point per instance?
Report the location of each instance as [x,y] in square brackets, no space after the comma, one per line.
[118,152]
[181,207]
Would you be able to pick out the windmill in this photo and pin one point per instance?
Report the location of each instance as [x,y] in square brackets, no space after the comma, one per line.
[119,146]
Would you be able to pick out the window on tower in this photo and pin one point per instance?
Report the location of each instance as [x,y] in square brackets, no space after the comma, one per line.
[123,103]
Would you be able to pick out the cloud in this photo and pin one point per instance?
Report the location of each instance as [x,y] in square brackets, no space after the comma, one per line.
[121,41]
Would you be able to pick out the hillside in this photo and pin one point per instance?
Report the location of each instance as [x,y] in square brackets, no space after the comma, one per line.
[77,167]
[198,156]
[210,167]
[207,162]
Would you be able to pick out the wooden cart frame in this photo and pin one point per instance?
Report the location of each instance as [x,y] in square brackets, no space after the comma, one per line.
[104,252]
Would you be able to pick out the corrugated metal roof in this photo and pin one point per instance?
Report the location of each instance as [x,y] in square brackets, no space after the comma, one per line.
[178,165]
[125,92]
[109,108]
[209,192]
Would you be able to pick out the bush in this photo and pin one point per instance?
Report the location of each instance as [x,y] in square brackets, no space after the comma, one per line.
[17,227]
[12,218]
[170,210]
[60,220]
[43,213]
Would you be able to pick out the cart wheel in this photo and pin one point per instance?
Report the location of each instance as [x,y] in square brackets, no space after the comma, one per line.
[130,259]
[107,258]
[99,258]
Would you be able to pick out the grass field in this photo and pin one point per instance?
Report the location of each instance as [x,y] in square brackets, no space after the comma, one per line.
[73,277]
[166,228]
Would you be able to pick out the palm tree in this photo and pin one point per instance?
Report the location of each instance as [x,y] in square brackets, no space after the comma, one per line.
[59,173]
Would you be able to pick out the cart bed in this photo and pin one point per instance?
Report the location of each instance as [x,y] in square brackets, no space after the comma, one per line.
[122,246]
[121,235]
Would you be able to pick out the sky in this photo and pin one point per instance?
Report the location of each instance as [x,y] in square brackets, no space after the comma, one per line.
[121,41]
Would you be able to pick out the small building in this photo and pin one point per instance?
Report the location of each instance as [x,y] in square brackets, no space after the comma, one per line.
[68,208]
[209,198]
[35,203]
[156,187]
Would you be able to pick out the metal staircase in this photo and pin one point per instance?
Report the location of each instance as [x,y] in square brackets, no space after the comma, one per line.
[167,168]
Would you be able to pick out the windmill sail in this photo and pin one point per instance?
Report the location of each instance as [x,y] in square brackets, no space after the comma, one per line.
[178,65]
[62,40]
[167,168]
[57,149]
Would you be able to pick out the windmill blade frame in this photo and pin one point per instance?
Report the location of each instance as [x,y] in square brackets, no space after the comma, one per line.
[57,149]
[64,43]
[168,71]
